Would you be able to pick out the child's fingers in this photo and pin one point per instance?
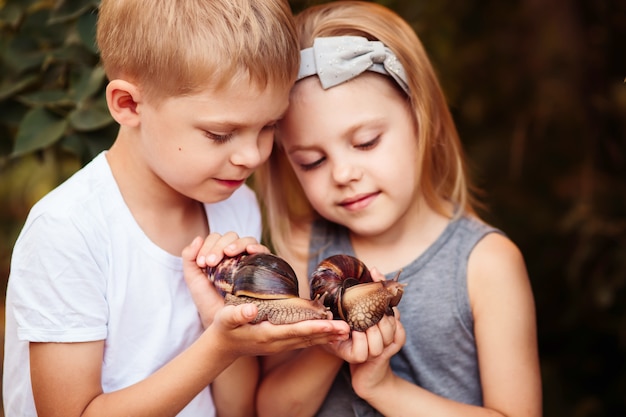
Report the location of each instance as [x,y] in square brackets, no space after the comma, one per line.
[387,328]
[216,246]
[359,351]
[212,250]
[375,344]
[256,248]
[376,275]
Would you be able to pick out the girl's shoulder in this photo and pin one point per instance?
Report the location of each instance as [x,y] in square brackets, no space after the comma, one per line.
[496,268]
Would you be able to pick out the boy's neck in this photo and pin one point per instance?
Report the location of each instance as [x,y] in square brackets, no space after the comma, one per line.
[168,218]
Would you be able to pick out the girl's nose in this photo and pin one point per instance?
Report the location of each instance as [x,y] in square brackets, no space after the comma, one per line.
[345,173]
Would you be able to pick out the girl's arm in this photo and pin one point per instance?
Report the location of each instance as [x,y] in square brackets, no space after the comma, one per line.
[505,330]
[234,389]
[298,386]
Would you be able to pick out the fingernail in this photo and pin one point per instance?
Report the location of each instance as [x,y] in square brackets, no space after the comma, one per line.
[249,310]
[211,259]
[201,261]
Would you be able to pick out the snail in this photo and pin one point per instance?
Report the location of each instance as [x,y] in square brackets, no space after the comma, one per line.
[340,283]
[351,294]
[269,282]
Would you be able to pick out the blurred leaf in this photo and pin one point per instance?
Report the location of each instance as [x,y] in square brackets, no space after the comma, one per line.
[11,87]
[66,10]
[86,27]
[91,80]
[91,115]
[10,15]
[38,129]
[47,97]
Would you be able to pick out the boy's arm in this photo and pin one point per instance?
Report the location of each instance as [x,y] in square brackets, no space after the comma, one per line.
[66,376]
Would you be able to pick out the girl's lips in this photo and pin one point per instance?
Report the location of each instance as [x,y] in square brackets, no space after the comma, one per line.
[358,202]
[231,183]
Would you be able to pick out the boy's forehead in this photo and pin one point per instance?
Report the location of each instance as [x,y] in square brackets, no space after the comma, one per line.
[235,105]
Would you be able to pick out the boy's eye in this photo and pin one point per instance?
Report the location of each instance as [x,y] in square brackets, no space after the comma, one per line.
[218,137]
[271,126]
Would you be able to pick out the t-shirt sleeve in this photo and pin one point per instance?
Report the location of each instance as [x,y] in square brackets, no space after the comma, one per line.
[56,283]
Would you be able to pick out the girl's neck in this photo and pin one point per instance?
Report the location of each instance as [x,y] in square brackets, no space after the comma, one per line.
[399,246]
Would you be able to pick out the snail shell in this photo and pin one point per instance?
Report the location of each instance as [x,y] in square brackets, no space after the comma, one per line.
[351,294]
[267,281]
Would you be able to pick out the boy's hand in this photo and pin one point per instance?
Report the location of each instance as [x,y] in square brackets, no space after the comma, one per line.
[209,252]
[216,246]
[239,338]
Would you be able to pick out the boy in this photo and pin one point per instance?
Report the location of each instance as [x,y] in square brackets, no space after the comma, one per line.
[99,318]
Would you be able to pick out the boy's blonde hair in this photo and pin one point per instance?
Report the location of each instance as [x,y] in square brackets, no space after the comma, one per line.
[440,155]
[178,47]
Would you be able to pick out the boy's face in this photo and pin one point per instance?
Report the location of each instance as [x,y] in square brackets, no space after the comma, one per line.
[205,145]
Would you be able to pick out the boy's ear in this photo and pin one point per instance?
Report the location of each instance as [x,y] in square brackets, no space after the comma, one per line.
[123,98]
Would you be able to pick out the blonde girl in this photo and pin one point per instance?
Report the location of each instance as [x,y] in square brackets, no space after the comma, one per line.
[368,162]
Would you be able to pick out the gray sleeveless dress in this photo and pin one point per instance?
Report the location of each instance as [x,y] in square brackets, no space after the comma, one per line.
[440,350]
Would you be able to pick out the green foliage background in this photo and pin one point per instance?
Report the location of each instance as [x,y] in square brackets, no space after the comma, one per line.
[537,90]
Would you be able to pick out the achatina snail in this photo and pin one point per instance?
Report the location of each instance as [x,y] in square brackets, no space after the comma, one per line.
[340,283]
[269,282]
[351,294]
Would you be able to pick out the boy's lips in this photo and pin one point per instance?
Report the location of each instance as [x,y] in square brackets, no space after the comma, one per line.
[359,201]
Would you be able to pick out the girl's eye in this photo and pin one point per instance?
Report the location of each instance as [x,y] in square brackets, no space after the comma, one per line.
[219,138]
[369,144]
[312,165]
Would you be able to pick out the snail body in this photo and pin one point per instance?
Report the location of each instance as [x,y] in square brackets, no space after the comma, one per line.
[351,294]
[268,282]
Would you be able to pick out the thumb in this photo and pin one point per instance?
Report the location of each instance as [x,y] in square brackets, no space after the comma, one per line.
[233,316]
[191,270]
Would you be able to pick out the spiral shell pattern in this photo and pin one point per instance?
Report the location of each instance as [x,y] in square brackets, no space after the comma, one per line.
[267,281]
[351,294]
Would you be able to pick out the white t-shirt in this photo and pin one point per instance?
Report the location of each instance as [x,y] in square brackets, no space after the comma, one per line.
[82,270]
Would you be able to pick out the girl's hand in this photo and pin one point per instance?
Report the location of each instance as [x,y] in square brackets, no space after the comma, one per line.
[369,344]
[209,252]
[368,375]
[363,346]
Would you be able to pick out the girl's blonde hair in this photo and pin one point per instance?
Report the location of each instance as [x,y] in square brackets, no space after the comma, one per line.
[443,178]
[177,47]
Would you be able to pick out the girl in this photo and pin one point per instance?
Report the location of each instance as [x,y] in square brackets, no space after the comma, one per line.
[371,164]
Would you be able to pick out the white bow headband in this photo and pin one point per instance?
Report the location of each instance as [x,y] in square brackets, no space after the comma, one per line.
[340,58]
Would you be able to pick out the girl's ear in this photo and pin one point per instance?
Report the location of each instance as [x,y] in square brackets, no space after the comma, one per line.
[123,98]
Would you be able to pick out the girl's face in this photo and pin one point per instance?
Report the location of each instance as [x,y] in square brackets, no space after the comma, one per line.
[353,148]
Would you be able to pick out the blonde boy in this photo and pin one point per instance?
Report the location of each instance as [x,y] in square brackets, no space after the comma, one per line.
[99,318]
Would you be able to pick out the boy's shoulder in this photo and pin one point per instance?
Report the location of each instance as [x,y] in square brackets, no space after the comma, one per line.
[94,182]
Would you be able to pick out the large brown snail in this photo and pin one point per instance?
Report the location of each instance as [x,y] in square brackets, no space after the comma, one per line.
[340,283]
[269,282]
[351,294]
